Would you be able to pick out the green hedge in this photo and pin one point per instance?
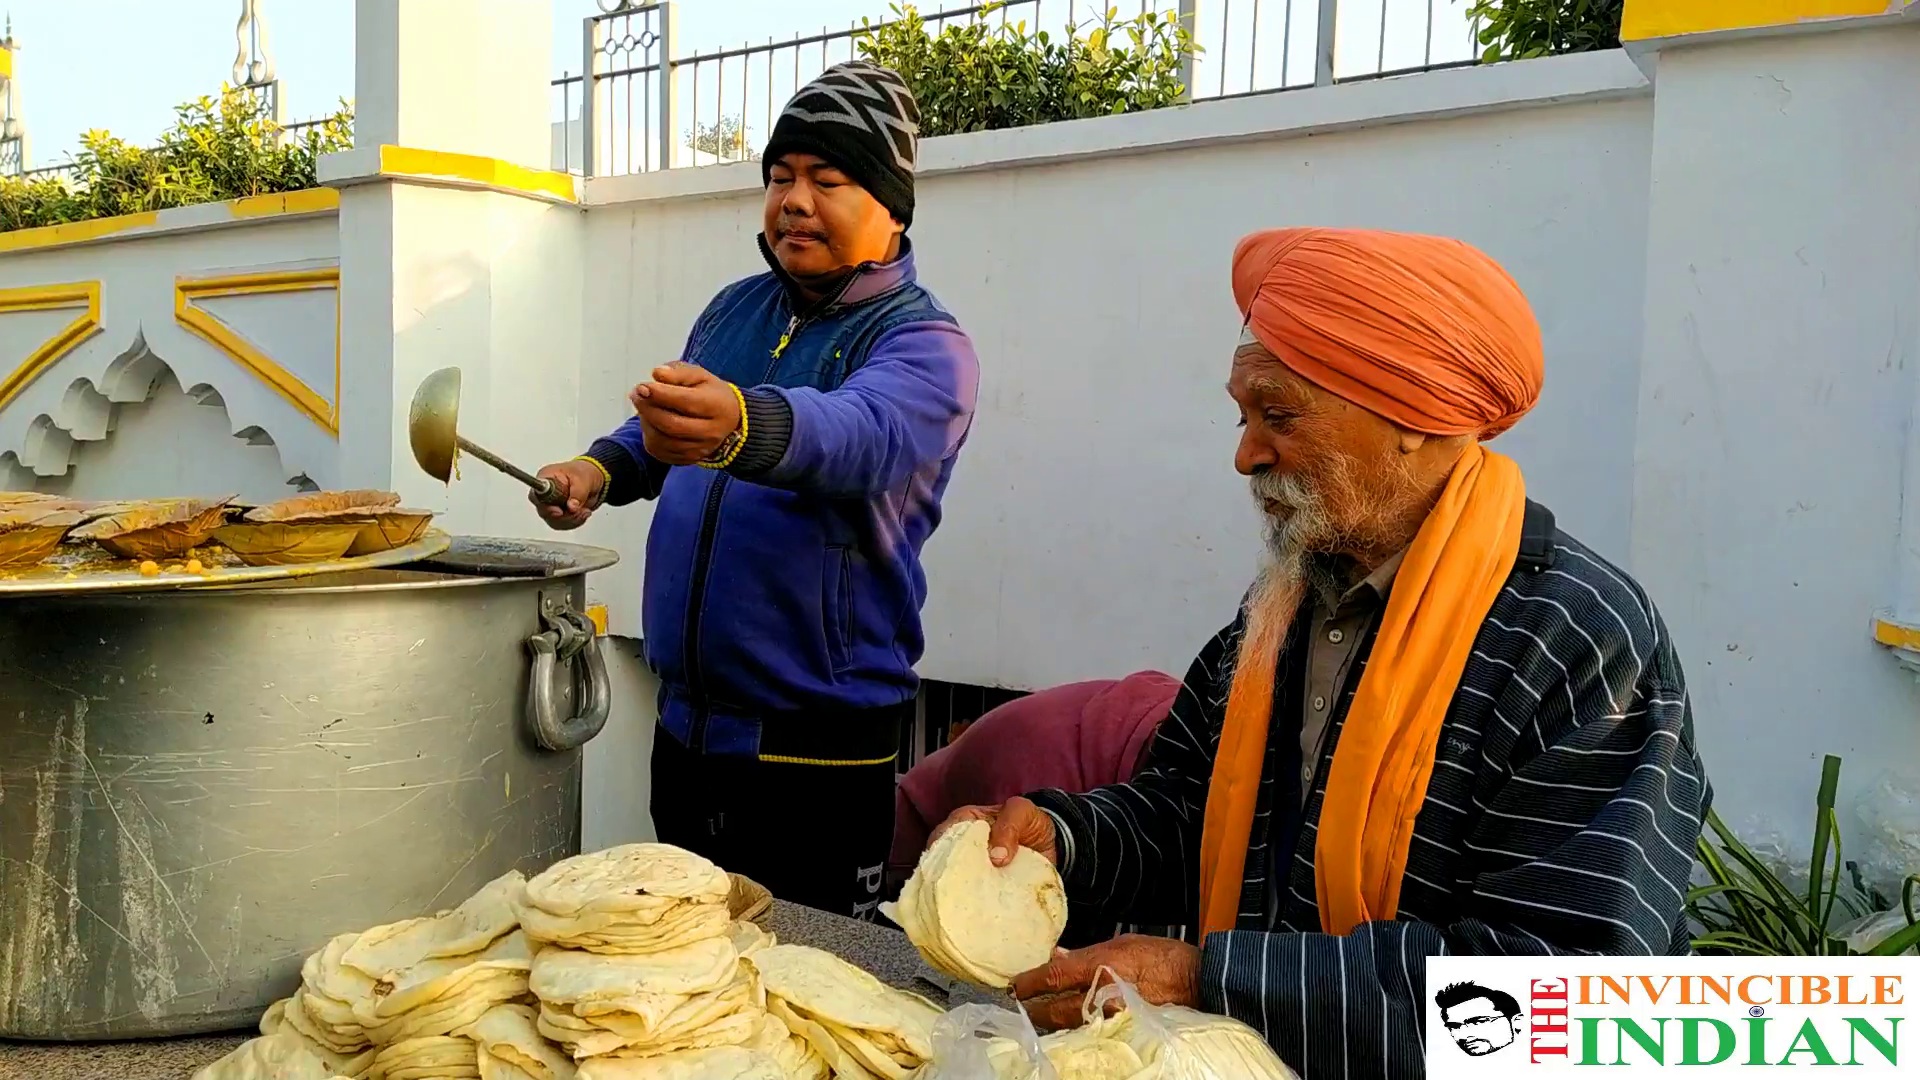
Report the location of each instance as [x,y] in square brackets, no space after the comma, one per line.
[983,74]
[1524,29]
[220,147]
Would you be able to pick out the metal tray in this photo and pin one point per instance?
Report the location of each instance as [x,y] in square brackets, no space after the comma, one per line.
[65,572]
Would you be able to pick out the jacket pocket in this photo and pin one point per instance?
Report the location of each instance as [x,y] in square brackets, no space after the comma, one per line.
[836,607]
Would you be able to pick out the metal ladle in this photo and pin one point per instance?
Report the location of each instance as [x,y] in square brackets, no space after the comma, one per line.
[433,430]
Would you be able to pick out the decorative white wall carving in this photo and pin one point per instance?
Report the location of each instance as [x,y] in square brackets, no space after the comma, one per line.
[245,316]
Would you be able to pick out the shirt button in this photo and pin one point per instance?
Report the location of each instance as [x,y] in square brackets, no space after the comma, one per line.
[1319,703]
[1306,774]
[1336,636]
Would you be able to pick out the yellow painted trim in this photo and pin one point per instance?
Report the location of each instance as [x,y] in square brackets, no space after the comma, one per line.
[74,231]
[248,355]
[1646,19]
[1896,636]
[404,162]
[250,208]
[6,63]
[76,294]
[597,614]
[782,759]
[305,201]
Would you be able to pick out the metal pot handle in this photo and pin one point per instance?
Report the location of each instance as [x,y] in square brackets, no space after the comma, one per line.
[569,637]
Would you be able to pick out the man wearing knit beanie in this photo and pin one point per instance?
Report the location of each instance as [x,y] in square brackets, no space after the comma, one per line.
[797,454]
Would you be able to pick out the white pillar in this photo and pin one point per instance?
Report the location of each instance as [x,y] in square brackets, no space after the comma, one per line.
[450,253]
[464,76]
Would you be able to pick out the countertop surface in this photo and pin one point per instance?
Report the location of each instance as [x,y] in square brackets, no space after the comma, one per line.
[881,950]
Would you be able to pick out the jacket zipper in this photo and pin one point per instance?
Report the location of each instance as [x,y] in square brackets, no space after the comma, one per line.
[703,545]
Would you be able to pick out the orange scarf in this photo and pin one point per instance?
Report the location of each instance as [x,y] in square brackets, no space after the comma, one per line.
[1447,583]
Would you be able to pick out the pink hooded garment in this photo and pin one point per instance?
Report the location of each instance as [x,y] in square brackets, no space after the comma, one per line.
[1075,737]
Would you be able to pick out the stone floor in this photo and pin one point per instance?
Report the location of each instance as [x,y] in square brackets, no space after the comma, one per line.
[881,950]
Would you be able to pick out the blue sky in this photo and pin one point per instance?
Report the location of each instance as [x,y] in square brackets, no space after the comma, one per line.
[123,64]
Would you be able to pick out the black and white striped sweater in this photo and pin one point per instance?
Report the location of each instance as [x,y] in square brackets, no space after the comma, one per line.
[1561,818]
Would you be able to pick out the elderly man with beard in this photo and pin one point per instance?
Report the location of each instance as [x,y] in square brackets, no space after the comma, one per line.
[1438,724]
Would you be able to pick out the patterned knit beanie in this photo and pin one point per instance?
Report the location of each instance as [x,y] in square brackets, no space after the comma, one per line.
[861,119]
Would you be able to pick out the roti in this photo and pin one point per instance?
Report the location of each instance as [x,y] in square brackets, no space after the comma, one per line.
[568,975]
[828,988]
[996,922]
[269,1057]
[509,1042]
[484,918]
[628,878]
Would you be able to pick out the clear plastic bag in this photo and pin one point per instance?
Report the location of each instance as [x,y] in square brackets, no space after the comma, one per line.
[1175,1043]
[982,1042]
[1138,1041]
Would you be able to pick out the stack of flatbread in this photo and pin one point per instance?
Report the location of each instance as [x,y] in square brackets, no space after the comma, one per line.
[429,1057]
[508,1046]
[385,1004]
[632,899]
[272,1057]
[640,959]
[977,922]
[713,1063]
[861,1027]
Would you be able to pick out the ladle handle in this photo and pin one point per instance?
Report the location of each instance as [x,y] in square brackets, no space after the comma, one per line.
[545,491]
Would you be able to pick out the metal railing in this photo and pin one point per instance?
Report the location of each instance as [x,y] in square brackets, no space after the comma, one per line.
[52,172]
[639,107]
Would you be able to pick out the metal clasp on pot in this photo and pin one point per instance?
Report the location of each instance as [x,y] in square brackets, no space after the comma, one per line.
[569,636]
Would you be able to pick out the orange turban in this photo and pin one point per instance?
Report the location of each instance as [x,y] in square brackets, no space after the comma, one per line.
[1425,331]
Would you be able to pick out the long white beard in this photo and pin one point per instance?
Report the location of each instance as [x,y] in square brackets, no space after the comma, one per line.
[1292,537]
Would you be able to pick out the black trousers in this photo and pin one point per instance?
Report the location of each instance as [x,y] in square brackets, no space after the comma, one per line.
[813,832]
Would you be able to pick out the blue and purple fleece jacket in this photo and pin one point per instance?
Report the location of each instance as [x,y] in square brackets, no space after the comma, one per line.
[789,584]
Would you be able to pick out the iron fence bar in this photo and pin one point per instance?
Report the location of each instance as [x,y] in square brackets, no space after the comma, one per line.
[644,69]
[1286,46]
[1323,49]
[1189,21]
[1394,73]
[589,93]
[1253,50]
[669,19]
[1380,59]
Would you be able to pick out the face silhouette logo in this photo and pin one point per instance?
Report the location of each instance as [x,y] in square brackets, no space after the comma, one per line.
[1478,1019]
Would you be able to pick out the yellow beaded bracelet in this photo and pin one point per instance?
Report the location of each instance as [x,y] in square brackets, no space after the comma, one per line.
[606,478]
[739,443]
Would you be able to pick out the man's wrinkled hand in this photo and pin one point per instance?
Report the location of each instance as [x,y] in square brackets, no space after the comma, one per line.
[1016,823]
[1165,972]
[686,413]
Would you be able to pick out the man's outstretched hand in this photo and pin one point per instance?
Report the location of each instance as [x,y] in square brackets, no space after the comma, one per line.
[1016,823]
[686,412]
[1165,971]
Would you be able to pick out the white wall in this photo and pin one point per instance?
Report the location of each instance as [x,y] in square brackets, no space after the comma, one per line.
[1782,330]
[1726,268]
[1095,524]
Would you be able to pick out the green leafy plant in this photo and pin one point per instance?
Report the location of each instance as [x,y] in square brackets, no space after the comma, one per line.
[1745,909]
[219,147]
[986,74]
[1524,29]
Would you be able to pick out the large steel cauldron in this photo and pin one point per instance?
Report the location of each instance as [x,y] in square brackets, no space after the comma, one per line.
[199,787]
